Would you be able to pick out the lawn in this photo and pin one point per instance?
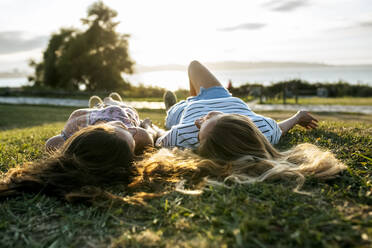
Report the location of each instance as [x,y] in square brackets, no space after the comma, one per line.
[338,214]
[361,101]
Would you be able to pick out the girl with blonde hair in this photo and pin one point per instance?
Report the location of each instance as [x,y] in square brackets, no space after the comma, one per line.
[240,155]
[190,120]
[230,141]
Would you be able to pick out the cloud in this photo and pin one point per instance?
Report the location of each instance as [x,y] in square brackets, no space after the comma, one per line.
[285,5]
[244,26]
[366,24]
[356,25]
[15,41]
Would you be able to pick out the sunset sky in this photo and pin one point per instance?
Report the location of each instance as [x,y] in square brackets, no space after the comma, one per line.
[175,32]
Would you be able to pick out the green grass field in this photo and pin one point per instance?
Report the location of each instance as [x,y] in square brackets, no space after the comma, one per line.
[338,214]
[361,101]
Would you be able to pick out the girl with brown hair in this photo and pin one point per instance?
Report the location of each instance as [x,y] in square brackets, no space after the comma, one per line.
[111,112]
[94,156]
[97,147]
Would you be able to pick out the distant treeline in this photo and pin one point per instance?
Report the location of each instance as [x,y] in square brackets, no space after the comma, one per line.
[303,88]
[140,91]
[290,88]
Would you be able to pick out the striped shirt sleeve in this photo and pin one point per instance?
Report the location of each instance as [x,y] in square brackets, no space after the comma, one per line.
[182,135]
[174,114]
[269,128]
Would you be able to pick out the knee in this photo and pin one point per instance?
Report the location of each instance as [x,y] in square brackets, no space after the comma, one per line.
[77,113]
[193,65]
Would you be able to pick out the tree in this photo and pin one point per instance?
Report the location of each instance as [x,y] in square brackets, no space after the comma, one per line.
[95,58]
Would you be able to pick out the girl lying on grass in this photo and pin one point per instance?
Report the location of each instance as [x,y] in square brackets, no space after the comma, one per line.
[229,140]
[111,113]
[97,146]
[213,116]
[233,147]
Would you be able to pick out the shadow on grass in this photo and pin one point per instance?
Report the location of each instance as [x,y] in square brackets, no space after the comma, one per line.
[264,213]
[21,116]
[336,116]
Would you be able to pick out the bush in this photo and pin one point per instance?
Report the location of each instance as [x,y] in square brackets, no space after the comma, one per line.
[301,87]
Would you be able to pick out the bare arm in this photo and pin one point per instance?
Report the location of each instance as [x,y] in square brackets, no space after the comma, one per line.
[76,121]
[302,118]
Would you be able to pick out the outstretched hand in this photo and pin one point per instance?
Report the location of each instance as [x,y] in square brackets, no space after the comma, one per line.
[306,120]
[146,122]
[152,129]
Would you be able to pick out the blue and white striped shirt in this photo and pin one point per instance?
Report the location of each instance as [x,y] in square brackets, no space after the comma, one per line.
[181,118]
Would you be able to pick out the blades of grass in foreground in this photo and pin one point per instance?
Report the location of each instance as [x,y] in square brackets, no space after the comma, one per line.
[338,214]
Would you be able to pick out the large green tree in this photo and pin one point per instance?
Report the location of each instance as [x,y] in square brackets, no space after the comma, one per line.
[94,58]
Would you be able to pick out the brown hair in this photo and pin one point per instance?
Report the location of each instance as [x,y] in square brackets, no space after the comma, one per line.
[91,158]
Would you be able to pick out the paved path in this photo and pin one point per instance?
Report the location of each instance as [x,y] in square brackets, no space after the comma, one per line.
[160,105]
[71,102]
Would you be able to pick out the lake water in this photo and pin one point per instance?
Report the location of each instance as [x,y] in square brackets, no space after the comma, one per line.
[13,82]
[178,79]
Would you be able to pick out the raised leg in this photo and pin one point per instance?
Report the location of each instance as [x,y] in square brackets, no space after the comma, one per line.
[200,76]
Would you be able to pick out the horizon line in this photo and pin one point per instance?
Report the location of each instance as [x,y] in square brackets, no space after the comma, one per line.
[235,64]
[231,64]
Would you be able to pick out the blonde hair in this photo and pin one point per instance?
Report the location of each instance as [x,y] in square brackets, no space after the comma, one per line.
[244,157]
[94,157]
[233,137]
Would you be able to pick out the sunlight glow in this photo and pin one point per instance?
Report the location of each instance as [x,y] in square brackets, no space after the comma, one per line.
[176,32]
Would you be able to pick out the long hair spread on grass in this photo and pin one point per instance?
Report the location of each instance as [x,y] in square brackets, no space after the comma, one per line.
[241,155]
[91,158]
[95,157]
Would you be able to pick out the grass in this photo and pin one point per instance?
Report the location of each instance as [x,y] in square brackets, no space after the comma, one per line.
[338,214]
[361,101]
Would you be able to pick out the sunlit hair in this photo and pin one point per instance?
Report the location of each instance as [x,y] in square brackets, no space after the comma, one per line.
[234,136]
[91,158]
[236,151]
[95,157]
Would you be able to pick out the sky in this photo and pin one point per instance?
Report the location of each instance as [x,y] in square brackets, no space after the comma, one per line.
[178,31]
